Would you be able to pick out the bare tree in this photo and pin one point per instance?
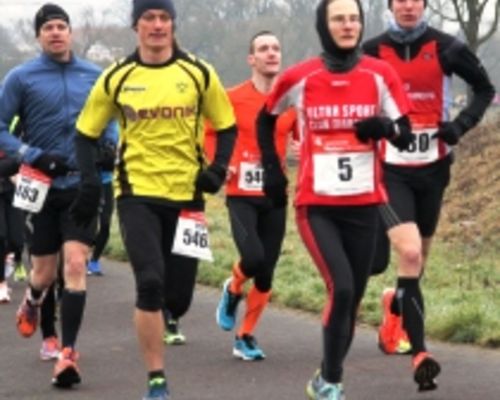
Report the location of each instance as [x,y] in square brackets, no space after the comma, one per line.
[472,17]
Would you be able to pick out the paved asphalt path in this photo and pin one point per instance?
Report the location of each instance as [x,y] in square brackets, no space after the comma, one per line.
[204,369]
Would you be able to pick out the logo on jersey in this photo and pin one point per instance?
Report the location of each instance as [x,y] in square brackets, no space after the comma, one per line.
[428,56]
[128,88]
[181,87]
[158,113]
[340,83]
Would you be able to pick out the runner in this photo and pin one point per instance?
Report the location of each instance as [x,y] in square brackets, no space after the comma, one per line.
[161,96]
[47,94]
[345,103]
[425,59]
[258,224]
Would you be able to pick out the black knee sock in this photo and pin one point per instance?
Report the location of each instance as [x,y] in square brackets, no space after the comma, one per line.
[412,310]
[48,314]
[72,307]
[3,253]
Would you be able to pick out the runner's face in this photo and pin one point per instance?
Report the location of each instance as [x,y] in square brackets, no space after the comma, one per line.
[408,13]
[266,56]
[155,30]
[55,39]
[344,23]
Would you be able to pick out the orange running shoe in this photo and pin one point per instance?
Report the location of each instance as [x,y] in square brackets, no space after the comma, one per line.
[392,338]
[425,370]
[66,372]
[27,317]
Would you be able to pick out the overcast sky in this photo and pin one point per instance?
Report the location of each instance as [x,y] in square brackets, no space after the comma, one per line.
[11,10]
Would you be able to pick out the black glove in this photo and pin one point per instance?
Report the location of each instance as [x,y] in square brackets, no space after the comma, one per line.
[106,157]
[404,140]
[275,183]
[8,167]
[51,165]
[85,207]
[450,132]
[374,128]
[211,179]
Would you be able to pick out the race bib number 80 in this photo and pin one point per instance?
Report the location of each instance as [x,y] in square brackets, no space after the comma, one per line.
[32,187]
[191,236]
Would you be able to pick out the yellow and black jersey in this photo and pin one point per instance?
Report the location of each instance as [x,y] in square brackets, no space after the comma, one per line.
[160,109]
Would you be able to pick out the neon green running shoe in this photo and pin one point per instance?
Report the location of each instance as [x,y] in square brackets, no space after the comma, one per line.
[20,273]
[173,335]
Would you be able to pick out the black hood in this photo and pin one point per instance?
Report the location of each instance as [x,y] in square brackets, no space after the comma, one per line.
[327,43]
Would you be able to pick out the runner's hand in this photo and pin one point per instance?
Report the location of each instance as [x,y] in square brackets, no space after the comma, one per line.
[211,179]
[85,207]
[51,165]
[449,132]
[374,128]
[404,140]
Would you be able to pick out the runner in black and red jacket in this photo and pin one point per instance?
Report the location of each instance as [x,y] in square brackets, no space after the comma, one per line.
[425,58]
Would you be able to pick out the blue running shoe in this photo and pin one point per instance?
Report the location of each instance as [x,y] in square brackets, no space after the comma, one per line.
[226,310]
[319,389]
[94,268]
[157,390]
[247,349]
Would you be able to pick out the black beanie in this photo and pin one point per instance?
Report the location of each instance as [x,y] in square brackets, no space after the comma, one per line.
[140,6]
[47,13]
[390,3]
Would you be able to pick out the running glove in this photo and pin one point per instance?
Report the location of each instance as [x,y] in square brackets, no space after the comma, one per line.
[106,157]
[211,179]
[51,165]
[8,166]
[374,128]
[85,207]
[404,140]
[275,183]
[450,132]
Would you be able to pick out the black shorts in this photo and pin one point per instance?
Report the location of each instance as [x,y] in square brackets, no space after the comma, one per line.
[47,230]
[416,194]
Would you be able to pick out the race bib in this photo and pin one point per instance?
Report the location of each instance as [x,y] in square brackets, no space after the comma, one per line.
[424,150]
[251,176]
[344,174]
[32,187]
[191,236]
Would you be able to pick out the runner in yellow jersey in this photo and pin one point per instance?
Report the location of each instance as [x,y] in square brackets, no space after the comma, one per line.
[161,96]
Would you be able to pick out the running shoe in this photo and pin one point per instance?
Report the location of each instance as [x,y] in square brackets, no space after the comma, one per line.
[94,268]
[319,389]
[157,390]
[173,335]
[66,372]
[246,348]
[20,274]
[227,308]
[27,316]
[425,371]
[50,349]
[4,293]
[392,338]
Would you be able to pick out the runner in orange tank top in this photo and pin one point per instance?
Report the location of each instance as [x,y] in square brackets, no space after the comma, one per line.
[257,223]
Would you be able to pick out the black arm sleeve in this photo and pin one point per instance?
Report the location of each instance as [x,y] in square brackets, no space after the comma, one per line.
[266,124]
[86,158]
[468,67]
[226,139]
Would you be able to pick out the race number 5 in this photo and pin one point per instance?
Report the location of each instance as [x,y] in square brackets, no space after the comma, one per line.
[191,236]
[32,187]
